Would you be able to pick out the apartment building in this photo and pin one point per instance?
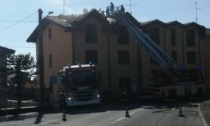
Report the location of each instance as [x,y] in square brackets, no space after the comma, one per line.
[90,37]
[180,41]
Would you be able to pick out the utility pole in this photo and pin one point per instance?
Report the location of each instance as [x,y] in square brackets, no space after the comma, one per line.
[41,60]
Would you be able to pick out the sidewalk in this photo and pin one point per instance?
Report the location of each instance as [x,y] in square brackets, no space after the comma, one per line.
[205,112]
[21,110]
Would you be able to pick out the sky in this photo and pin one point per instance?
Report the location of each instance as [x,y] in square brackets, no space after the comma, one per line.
[18,18]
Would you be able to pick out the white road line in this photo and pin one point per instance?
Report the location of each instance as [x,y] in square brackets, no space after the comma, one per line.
[124,117]
[43,123]
[201,116]
[118,120]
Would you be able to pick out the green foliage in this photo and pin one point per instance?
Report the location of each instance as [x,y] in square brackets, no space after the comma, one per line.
[20,68]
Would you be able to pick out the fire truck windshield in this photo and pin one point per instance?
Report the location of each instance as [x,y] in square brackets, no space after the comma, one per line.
[82,77]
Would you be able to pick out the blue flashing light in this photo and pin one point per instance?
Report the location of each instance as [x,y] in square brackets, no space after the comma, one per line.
[90,63]
[197,67]
[69,65]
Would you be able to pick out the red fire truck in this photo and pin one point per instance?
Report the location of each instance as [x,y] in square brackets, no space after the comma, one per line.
[79,85]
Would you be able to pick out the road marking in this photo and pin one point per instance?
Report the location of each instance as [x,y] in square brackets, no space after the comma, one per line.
[202,117]
[124,117]
[118,120]
[136,111]
[43,123]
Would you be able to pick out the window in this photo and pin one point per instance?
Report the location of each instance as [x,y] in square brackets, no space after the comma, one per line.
[49,33]
[154,35]
[124,84]
[50,60]
[91,55]
[152,61]
[173,37]
[174,55]
[190,34]
[123,36]
[191,57]
[123,57]
[90,33]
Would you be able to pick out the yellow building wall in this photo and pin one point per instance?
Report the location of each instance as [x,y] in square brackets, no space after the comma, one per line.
[60,47]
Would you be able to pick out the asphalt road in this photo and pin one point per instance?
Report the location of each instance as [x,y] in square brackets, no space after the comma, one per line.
[114,115]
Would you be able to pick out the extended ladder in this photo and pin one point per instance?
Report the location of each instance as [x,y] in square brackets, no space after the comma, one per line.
[157,54]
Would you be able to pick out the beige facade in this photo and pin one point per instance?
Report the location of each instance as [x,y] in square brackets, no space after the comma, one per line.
[182,42]
[118,62]
[205,52]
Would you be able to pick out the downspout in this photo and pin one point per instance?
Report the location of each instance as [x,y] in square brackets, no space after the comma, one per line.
[199,51]
[183,48]
[73,48]
[164,41]
[109,64]
[139,67]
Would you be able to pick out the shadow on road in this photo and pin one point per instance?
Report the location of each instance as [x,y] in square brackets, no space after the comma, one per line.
[39,118]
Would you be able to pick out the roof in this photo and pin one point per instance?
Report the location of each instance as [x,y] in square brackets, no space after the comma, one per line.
[201,29]
[67,22]
[156,21]
[128,15]
[6,50]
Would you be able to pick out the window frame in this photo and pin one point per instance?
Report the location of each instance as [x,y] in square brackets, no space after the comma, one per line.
[123,57]
[123,36]
[191,57]
[154,34]
[190,38]
[173,36]
[91,56]
[91,35]
[49,33]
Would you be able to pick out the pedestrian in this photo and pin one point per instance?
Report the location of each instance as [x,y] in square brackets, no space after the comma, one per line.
[107,11]
[111,7]
[122,9]
[133,92]
[102,13]
[124,94]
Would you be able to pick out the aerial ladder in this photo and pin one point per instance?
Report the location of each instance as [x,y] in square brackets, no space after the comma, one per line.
[144,41]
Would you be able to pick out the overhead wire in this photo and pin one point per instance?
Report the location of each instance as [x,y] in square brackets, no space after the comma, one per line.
[15,21]
[22,20]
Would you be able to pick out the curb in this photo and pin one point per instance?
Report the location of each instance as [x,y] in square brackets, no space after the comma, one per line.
[15,111]
[19,117]
[202,117]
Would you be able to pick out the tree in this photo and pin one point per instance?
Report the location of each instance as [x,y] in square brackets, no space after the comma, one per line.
[20,68]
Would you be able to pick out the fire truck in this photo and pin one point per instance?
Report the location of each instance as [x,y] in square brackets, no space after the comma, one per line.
[170,80]
[79,85]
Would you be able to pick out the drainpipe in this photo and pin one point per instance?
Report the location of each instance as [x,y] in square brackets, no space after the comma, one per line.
[109,64]
[73,44]
[139,67]
[199,51]
[183,48]
[164,41]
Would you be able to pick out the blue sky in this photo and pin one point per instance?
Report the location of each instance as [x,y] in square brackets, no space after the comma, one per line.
[19,17]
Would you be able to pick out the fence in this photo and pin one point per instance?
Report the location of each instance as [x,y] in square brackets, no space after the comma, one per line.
[11,95]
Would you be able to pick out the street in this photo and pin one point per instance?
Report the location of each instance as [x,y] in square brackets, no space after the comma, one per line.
[151,114]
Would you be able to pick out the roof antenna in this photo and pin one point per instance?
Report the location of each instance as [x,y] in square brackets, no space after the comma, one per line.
[130,6]
[64,2]
[196,12]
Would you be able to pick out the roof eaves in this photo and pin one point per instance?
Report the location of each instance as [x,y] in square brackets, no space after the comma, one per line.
[156,21]
[208,31]
[6,50]
[45,22]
